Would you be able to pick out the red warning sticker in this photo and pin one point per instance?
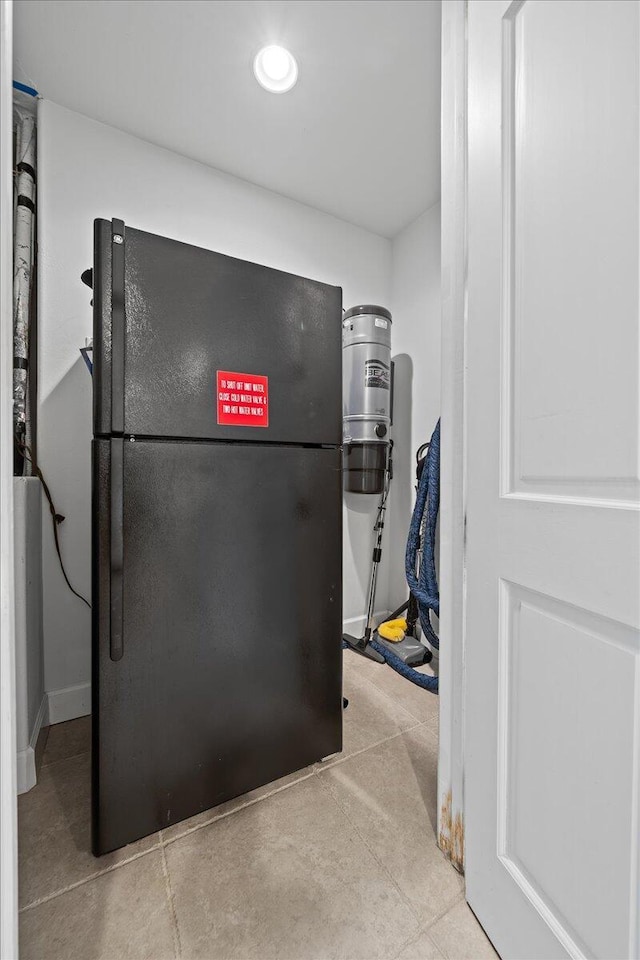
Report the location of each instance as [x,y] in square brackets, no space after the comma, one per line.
[243,399]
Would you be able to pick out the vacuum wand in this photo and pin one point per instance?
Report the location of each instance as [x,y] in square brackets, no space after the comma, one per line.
[361,644]
[377,554]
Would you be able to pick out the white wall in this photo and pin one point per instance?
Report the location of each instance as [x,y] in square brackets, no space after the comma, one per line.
[415,304]
[88,170]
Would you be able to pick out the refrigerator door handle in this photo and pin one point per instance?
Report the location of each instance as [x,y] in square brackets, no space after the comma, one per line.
[116,640]
[117,326]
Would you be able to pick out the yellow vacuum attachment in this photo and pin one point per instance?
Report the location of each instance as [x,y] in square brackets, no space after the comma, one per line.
[393,630]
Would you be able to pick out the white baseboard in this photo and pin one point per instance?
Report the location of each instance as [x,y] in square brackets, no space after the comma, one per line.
[69,703]
[26,769]
[355,625]
[26,759]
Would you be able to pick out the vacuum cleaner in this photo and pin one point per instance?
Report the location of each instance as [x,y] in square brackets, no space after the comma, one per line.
[368,468]
[366,391]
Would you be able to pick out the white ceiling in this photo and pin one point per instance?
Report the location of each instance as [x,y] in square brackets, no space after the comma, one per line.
[358,137]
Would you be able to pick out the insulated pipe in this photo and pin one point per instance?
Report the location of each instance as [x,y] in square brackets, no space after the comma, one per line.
[23,264]
[367,396]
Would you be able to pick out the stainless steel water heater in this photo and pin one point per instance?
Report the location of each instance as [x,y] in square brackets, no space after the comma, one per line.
[367,396]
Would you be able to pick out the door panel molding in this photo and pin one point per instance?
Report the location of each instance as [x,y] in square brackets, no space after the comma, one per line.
[548,422]
[619,642]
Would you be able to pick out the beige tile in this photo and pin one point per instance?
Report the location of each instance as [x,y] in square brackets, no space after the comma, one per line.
[122,915]
[460,937]
[418,702]
[67,740]
[285,878]
[54,832]
[389,794]
[422,948]
[224,809]
[367,668]
[371,716]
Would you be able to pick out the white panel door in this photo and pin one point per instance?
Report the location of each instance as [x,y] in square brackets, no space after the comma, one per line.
[552,727]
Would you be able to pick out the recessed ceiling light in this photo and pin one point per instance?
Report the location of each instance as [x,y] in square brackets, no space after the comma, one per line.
[276,69]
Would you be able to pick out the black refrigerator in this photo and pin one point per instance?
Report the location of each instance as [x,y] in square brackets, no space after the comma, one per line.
[217,531]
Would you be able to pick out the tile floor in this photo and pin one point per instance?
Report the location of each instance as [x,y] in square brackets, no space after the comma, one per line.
[336,861]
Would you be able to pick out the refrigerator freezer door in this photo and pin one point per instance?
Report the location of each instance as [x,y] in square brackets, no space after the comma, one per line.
[229,672]
[210,341]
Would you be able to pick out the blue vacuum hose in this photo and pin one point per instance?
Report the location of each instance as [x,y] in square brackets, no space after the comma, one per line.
[409,673]
[424,585]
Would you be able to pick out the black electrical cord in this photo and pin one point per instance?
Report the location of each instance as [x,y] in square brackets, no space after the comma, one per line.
[56,518]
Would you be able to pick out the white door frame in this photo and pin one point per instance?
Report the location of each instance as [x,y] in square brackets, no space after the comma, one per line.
[8,818]
[453,431]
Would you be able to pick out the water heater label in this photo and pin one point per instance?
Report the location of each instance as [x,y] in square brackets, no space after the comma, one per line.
[243,399]
[376,374]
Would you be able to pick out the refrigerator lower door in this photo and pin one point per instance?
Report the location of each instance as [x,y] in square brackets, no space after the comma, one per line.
[217,625]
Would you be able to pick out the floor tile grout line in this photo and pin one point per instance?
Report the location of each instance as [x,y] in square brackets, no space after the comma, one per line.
[426,929]
[443,953]
[433,936]
[405,708]
[329,765]
[175,929]
[388,697]
[163,842]
[52,763]
[318,770]
[93,876]
[423,927]
[375,857]
[242,806]
[414,938]
[440,949]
